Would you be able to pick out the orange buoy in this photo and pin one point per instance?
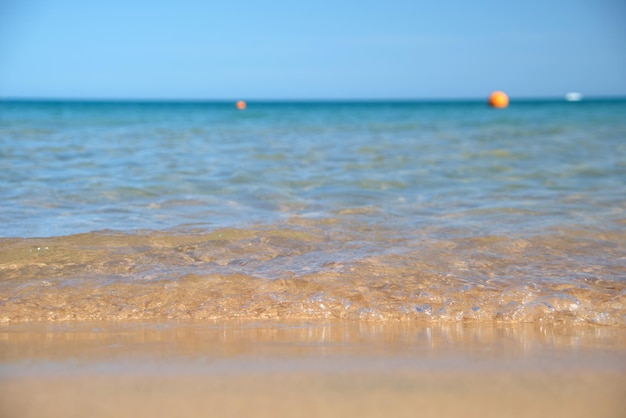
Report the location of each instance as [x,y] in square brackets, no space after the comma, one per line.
[241,105]
[498,100]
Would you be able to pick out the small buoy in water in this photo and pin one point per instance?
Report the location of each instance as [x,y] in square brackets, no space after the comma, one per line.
[498,99]
[241,105]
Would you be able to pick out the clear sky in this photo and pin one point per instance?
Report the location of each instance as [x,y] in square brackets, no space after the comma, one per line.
[322,49]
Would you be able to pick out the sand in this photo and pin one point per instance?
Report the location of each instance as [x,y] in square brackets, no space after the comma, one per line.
[199,369]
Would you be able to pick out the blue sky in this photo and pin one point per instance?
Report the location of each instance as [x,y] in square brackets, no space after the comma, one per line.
[275,49]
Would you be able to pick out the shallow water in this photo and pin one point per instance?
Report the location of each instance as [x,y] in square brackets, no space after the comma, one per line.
[445,211]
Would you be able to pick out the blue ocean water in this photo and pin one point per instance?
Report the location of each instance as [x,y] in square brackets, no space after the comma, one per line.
[445,210]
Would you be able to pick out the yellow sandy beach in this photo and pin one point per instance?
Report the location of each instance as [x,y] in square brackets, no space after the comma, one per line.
[360,369]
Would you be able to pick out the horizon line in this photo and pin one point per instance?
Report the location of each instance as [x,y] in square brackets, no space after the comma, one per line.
[300,100]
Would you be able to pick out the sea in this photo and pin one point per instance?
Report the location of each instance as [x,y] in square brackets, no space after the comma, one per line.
[378,211]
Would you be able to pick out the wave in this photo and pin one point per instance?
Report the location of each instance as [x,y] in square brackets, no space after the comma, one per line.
[316,269]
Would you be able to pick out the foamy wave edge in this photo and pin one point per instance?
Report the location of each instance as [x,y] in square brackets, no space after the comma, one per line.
[196,297]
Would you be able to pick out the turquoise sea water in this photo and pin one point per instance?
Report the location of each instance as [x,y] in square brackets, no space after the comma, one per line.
[435,211]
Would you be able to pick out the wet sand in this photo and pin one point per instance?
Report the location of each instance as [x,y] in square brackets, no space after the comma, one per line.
[310,369]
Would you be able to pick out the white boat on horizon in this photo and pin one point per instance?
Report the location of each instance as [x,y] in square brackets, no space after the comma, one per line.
[573,97]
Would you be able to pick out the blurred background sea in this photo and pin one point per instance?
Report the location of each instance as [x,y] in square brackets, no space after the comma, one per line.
[425,211]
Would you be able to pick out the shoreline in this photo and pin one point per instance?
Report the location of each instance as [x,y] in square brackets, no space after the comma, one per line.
[323,368]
